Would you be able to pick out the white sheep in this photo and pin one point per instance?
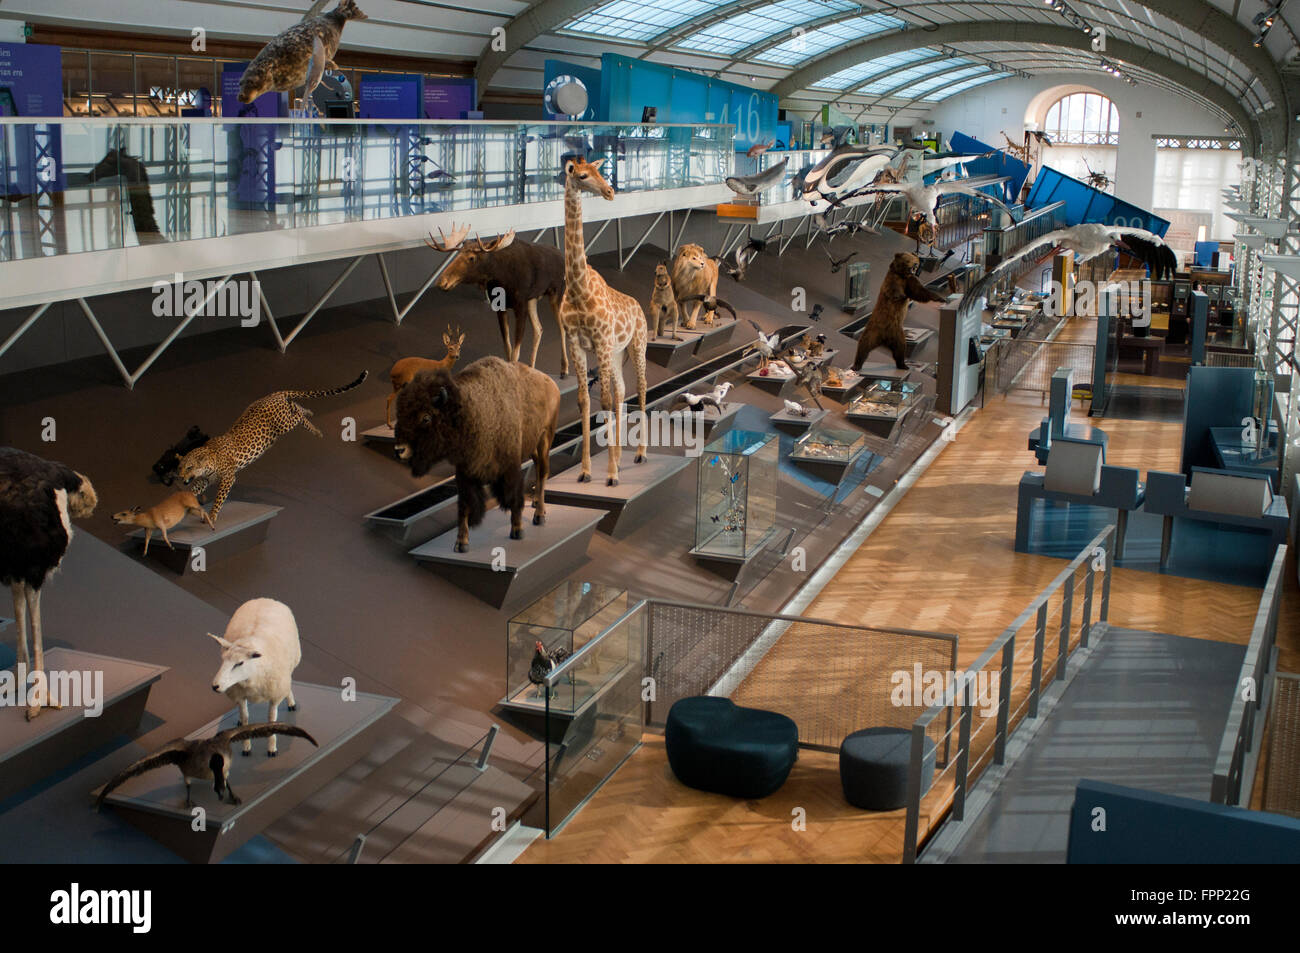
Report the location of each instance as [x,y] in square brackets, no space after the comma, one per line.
[259,653]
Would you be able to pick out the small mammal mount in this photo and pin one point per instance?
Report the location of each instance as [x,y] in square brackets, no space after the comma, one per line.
[404,370]
[163,516]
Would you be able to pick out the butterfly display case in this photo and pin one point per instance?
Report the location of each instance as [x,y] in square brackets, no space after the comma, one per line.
[882,404]
[564,621]
[735,506]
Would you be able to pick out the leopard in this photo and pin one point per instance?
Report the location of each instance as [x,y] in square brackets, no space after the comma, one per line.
[262,423]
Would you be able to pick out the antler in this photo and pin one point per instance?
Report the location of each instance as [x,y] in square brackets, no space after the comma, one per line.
[445,244]
[501,241]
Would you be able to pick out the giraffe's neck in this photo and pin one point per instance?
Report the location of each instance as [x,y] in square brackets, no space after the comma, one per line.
[575,250]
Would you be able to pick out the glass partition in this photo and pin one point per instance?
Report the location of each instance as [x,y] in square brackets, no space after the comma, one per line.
[75,185]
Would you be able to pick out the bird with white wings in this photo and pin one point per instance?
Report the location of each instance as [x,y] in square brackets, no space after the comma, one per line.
[713,398]
[765,346]
[925,198]
[1087,241]
[796,409]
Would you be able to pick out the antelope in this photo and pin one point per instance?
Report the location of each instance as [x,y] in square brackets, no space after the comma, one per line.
[404,371]
[523,271]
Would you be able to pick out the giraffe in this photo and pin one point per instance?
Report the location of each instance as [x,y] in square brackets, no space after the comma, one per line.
[599,319]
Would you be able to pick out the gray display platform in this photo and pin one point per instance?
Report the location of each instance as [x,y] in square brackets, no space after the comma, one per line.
[671,354]
[268,787]
[31,751]
[713,423]
[731,566]
[794,423]
[426,513]
[712,338]
[875,424]
[546,554]
[916,338]
[852,382]
[240,526]
[642,489]
[774,382]
[381,434]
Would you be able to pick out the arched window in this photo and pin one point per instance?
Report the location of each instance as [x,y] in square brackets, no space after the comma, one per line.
[1085,119]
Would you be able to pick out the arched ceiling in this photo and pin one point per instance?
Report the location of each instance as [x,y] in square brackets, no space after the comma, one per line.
[877,57]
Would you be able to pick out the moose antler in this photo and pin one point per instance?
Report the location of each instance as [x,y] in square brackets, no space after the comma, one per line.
[444,244]
[501,241]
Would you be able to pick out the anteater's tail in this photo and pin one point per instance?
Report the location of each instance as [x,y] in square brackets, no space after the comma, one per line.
[330,392]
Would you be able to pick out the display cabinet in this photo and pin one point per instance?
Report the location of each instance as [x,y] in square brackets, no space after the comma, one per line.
[564,621]
[735,503]
[829,452]
[883,404]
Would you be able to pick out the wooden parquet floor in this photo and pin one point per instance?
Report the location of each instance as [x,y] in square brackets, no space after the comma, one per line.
[941,561]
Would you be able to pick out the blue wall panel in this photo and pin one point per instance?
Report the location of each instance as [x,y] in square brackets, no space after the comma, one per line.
[998,164]
[628,86]
[1143,827]
[1086,204]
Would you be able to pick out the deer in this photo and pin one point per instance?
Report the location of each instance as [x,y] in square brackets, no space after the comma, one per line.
[404,371]
[522,271]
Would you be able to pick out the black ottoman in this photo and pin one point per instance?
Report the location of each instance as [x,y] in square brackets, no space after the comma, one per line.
[714,745]
[874,765]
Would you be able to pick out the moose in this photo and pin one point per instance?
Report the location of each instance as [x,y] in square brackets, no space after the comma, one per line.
[522,271]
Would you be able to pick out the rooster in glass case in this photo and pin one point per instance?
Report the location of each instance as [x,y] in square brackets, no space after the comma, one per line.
[544,663]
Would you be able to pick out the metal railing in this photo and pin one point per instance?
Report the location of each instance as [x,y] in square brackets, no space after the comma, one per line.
[831,678]
[1248,696]
[420,805]
[1049,630]
[1027,364]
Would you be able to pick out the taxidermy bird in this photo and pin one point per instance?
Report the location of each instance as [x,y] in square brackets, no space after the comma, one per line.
[838,263]
[713,398]
[1087,241]
[925,198]
[758,148]
[849,228]
[741,257]
[202,759]
[765,346]
[298,57]
[746,185]
[711,303]
[797,409]
[38,501]
[816,313]
[544,663]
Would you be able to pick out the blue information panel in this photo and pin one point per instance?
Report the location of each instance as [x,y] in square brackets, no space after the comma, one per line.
[679,96]
[1083,203]
[449,97]
[32,78]
[391,96]
[999,164]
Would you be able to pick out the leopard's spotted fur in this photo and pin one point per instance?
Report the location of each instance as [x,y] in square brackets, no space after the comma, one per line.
[260,425]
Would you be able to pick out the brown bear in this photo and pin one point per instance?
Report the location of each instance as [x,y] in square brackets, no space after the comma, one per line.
[885,326]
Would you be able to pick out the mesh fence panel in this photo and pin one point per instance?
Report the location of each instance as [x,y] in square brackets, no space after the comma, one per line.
[830,679]
[1028,364]
[1282,788]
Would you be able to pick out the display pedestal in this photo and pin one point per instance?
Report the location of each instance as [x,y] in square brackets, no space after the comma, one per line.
[795,423]
[876,425]
[916,338]
[424,514]
[381,434]
[525,566]
[671,354]
[31,751]
[832,471]
[712,337]
[728,566]
[240,526]
[851,383]
[774,381]
[642,489]
[268,787]
[713,423]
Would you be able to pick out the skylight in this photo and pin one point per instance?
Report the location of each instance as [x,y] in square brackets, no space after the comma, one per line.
[856,74]
[946,91]
[928,85]
[639,20]
[900,77]
[771,21]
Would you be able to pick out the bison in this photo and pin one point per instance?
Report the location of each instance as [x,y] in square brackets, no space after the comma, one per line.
[486,420]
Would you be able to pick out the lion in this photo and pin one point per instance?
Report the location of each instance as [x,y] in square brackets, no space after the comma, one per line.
[694,273]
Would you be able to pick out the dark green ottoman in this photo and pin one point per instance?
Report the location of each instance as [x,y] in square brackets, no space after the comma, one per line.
[874,764]
[714,745]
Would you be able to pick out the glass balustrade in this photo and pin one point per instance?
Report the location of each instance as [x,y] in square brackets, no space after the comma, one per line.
[69,185]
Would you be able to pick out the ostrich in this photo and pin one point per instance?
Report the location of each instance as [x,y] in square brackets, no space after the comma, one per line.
[38,500]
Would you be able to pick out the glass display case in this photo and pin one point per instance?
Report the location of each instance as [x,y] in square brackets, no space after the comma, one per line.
[562,623]
[735,504]
[828,445]
[886,399]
